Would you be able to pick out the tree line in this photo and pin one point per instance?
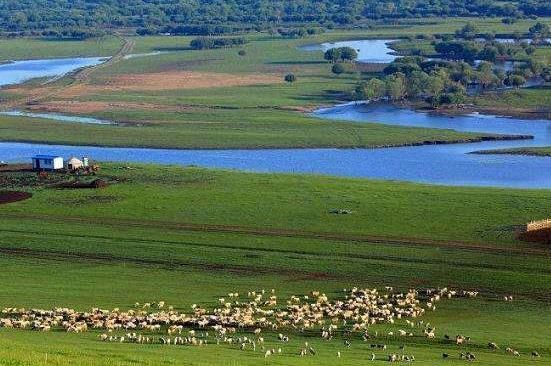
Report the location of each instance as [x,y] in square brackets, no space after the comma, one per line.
[82,18]
[206,43]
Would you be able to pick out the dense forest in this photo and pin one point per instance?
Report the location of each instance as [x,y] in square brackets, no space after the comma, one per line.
[83,18]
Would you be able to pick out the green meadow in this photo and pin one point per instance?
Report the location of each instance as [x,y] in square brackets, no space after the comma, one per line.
[190,235]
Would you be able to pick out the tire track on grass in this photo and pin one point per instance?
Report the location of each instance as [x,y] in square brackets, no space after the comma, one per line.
[448,261]
[279,232]
[292,274]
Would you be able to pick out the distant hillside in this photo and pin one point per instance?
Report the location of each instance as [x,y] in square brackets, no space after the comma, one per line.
[84,18]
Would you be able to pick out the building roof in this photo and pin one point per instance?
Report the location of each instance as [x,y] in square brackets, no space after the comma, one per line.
[40,156]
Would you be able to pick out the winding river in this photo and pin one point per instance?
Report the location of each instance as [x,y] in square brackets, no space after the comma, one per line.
[435,164]
[16,72]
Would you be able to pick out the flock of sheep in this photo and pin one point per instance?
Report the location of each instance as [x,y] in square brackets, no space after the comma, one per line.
[245,321]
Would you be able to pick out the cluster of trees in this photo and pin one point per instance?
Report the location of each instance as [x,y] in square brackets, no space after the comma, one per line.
[444,82]
[296,32]
[488,51]
[201,17]
[207,43]
[435,86]
[538,32]
[341,54]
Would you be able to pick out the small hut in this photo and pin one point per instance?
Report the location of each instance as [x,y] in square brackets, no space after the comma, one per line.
[74,164]
[47,162]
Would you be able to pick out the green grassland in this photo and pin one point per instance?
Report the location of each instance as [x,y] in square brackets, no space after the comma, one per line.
[537,98]
[266,129]
[35,48]
[228,117]
[29,48]
[190,235]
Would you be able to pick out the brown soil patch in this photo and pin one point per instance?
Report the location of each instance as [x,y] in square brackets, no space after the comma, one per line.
[536,236]
[61,106]
[95,184]
[13,196]
[170,80]
[16,168]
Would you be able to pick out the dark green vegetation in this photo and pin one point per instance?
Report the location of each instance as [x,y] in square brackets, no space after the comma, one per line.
[188,235]
[81,19]
[446,79]
[206,43]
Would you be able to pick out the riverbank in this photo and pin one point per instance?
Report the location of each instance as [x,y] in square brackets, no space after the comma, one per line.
[468,109]
[527,151]
[471,140]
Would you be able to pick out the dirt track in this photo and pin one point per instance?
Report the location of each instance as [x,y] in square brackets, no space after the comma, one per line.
[70,106]
[36,95]
[293,275]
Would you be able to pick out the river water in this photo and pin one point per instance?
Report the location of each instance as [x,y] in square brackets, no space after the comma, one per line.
[435,164]
[57,117]
[20,71]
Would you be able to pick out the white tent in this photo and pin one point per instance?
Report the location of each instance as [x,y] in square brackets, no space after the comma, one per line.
[74,164]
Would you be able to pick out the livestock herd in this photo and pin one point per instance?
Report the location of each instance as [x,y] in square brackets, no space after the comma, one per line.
[259,318]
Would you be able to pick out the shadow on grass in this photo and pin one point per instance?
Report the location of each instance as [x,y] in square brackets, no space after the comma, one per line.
[297,63]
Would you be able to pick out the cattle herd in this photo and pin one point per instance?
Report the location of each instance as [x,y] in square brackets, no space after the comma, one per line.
[258,321]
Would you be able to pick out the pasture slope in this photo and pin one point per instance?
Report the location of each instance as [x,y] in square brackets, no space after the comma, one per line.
[189,236]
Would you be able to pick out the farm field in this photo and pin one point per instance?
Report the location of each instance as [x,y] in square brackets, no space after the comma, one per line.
[190,235]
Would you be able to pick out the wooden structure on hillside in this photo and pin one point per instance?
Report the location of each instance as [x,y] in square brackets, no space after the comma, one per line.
[537,231]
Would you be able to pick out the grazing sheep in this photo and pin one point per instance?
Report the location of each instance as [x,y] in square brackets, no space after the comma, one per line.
[360,309]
